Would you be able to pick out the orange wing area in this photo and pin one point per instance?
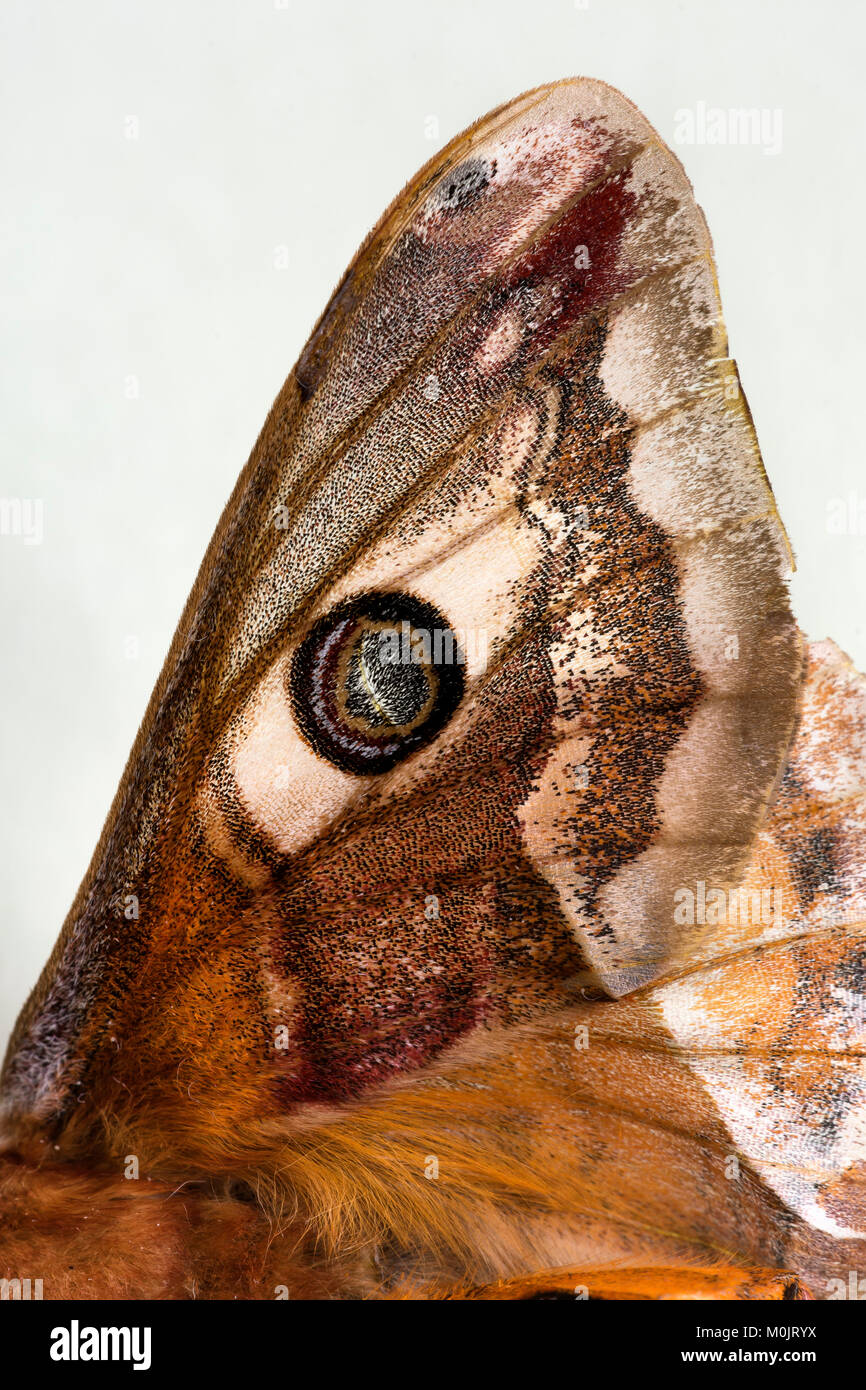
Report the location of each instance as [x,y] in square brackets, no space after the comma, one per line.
[663,1285]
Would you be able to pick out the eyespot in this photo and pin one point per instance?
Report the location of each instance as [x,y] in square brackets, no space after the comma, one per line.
[376,679]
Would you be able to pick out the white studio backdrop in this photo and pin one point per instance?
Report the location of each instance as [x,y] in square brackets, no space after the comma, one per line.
[184,182]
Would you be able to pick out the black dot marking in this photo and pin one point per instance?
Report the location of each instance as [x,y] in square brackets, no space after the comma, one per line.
[463,185]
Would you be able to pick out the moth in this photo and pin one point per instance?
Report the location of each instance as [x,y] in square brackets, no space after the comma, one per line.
[481,911]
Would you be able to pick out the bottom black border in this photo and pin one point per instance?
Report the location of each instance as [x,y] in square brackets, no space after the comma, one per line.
[645,1338]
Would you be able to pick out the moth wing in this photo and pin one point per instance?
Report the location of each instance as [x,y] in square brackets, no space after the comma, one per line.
[519,410]
[775,1026]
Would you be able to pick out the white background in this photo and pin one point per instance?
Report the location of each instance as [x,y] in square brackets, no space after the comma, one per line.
[264,126]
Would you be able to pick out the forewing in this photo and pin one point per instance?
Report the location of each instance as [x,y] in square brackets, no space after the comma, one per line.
[518,409]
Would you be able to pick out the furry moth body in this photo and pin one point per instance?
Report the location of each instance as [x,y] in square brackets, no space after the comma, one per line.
[489,666]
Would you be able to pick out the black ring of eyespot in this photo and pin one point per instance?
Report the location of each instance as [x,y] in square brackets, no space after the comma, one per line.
[375,679]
